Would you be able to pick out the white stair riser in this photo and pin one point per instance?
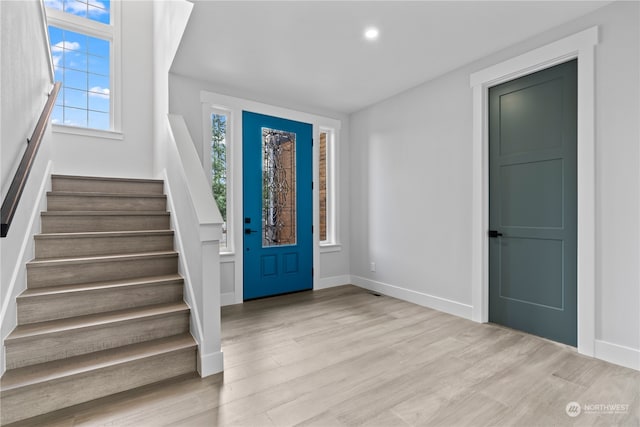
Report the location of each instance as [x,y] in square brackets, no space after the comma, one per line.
[85,223]
[63,273]
[64,344]
[72,246]
[28,402]
[92,301]
[57,202]
[106,186]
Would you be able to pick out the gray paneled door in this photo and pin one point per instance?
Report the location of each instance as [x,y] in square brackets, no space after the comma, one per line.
[533,203]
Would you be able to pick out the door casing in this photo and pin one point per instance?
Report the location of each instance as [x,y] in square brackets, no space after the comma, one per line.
[581,46]
[234,106]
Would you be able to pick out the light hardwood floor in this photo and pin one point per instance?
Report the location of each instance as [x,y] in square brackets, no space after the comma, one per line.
[342,357]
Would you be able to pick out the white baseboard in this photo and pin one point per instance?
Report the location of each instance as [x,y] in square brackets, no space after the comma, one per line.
[210,364]
[618,354]
[227,298]
[333,281]
[425,300]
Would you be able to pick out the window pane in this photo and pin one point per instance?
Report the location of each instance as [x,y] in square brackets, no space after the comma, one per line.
[99,11]
[53,4]
[75,60]
[98,47]
[75,7]
[57,117]
[99,85]
[278,188]
[74,41]
[99,120]
[323,186]
[82,88]
[96,10]
[55,35]
[75,79]
[219,168]
[58,76]
[75,117]
[75,98]
[99,102]
[98,65]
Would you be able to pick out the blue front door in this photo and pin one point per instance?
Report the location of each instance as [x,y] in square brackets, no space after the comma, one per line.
[277,189]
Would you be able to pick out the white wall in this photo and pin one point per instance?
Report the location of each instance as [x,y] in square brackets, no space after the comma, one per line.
[132,155]
[184,99]
[24,83]
[411,184]
[24,79]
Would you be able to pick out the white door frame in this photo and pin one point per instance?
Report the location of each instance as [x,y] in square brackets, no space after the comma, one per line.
[580,46]
[235,106]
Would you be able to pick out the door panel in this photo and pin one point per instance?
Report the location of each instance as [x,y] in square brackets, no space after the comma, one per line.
[532,193]
[533,203]
[277,198]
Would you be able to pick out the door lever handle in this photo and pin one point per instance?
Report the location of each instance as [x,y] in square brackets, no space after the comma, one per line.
[249,231]
[494,233]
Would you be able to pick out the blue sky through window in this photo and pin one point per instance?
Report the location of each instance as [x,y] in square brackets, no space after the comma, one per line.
[82,64]
[96,10]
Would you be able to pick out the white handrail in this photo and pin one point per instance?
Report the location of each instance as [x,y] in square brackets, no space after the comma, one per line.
[200,190]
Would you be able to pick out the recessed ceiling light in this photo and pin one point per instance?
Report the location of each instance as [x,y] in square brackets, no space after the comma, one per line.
[371,33]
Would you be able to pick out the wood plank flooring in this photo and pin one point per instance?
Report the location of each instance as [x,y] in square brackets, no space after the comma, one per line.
[344,357]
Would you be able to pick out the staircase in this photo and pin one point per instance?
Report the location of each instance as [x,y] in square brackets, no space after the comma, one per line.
[103,311]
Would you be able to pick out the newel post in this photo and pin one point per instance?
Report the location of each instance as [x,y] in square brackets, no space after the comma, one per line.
[210,360]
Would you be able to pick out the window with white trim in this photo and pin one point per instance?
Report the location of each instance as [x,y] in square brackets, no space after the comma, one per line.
[82,35]
[219,161]
[326,166]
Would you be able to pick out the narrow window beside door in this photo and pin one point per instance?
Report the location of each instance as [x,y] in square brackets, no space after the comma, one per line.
[219,183]
[326,187]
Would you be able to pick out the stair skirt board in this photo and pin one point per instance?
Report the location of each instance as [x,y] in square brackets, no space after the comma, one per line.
[104,309]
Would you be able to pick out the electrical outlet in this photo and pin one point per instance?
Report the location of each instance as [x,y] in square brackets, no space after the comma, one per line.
[373,267]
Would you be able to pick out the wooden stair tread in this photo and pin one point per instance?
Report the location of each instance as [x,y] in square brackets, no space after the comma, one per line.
[104,213]
[112,179]
[99,258]
[138,281]
[99,234]
[33,330]
[35,374]
[105,259]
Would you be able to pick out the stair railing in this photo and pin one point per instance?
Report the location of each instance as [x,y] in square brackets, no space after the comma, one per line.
[11,200]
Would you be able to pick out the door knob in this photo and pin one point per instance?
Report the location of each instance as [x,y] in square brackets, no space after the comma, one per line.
[494,233]
[249,231]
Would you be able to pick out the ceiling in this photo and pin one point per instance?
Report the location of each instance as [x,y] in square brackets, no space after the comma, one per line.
[314,54]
